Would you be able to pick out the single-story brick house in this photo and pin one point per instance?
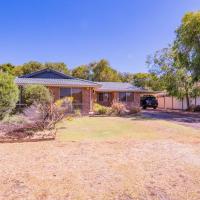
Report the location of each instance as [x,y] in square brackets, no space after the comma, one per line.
[84,92]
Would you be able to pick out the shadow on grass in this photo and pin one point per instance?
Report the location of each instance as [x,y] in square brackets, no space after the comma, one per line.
[135,117]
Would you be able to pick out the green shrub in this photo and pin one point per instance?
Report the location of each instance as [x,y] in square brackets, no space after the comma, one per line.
[37,94]
[9,95]
[101,110]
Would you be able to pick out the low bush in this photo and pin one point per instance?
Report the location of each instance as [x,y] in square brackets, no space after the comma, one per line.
[37,120]
[77,113]
[191,108]
[101,110]
[46,116]
[134,110]
[118,108]
[197,108]
[38,94]
[9,95]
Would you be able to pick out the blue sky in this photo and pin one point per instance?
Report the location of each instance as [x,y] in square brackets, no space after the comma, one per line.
[81,31]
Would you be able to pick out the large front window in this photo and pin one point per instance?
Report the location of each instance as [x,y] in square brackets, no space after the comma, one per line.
[103,97]
[65,92]
[126,97]
[75,93]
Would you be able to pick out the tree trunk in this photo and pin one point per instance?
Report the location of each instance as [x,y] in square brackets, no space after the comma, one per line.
[188,101]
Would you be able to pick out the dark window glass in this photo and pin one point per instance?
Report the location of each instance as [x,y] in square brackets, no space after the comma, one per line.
[100,97]
[65,92]
[104,97]
[122,96]
[77,95]
[129,96]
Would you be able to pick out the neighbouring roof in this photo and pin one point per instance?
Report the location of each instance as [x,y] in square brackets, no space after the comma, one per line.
[119,86]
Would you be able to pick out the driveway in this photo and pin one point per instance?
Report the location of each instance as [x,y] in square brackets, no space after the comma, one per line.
[180,117]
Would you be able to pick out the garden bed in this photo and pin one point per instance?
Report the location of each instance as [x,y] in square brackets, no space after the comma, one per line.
[17,136]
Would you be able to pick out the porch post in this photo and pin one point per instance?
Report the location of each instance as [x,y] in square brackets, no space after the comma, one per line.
[91,102]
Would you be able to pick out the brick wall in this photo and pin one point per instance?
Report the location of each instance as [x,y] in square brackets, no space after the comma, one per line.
[55,91]
[135,99]
[85,97]
[86,100]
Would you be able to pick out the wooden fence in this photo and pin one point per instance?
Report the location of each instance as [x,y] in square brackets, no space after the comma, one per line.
[168,102]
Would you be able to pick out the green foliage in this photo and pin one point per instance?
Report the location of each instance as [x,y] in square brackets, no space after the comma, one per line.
[176,77]
[101,110]
[38,94]
[126,77]
[34,66]
[60,66]
[179,65]
[7,68]
[8,95]
[29,67]
[103,72]
[188,42]
[144,80]
[82,72]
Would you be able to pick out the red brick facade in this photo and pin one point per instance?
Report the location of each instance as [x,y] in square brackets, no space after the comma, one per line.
[89,97]
[135,100]
[86,92]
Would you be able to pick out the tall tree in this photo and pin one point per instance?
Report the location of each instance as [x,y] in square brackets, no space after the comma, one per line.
[58,66]
[82,72]
[8,94]
[29,67]
[34,66]
[187,43]
[126,77]
[103,72]
[7,68]
[176,77]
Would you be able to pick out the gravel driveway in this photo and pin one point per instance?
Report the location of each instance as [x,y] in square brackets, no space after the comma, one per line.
[180,117]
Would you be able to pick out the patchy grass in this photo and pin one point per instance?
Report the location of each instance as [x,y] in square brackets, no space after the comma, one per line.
[116,128]
[112,158]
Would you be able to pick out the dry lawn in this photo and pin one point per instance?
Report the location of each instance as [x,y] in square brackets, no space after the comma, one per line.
[105,159]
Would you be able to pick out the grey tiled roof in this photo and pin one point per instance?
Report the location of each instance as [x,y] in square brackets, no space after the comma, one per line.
[56,82]
[118,86]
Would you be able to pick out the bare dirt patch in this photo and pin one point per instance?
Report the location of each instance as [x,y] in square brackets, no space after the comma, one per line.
[125,170]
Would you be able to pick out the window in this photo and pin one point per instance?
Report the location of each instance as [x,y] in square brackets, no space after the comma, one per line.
[77,95]
[104,97]
[100,95]
[126,96]
[122,96]
[65,92]
[129,96]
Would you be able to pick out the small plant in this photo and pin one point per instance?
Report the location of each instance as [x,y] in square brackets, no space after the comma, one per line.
[101,110]
[77,112]
[118,108]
